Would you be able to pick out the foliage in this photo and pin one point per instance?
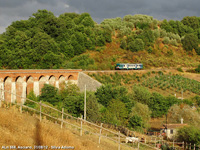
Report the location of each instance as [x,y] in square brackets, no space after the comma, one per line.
[141,94]
[93,107]
[190,42]
[107,92]
[136,45]
[142,111]
[136,122]
[180,69]
[49,94]
[33,97]
[197,69]
[45,41]
[81,61]
[189,114]
[159,105]
[189,134]
[116,113]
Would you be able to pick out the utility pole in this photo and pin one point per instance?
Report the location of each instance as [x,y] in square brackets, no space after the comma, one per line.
[85,104]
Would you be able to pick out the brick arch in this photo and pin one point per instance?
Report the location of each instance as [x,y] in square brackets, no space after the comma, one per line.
[61,78]
[42,81]
[52,80]
[70,77]
[61,81]
[19,88]
[29,82]
[7,88]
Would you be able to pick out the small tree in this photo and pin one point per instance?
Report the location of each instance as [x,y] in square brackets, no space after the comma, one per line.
[49,94]
[142,111]
[189,134]
[198,69]
[136,45]
[116,113]
[190,42]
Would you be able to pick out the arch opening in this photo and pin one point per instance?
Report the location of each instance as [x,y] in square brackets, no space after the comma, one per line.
[7,88]
[19,89]
[29,86]
[70,77]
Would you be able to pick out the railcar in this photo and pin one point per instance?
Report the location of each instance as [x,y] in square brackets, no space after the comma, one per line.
[124,66]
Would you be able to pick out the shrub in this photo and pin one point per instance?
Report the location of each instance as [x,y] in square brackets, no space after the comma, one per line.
[173,42]
[136,45]
[150,50]
[166,40]
[190,42]
[189,134]
[198,69]
[180,69]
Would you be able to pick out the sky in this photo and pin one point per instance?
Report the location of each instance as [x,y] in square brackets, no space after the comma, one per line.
[13,10]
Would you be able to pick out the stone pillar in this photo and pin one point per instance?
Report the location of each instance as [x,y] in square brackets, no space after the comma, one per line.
[2,91]
[13,92]
[36,88]
[57,84]
[24,85]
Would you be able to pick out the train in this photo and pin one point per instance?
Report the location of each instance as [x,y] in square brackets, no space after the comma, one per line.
[127,66]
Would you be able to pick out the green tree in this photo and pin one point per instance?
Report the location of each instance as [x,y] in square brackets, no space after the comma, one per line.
[189,115]
[136,122]
[123,44]
[136,45]
[190,42]
[142,111]
[192,22]
[49,94]
[93,107]
[116,113]
[197,69]
[141,94]
[189,134]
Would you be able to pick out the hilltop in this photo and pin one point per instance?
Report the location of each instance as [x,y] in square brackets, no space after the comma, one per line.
[75,41]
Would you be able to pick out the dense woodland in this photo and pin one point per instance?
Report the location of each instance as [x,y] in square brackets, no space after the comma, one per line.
[46,41]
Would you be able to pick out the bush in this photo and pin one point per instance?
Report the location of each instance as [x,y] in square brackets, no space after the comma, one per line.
[136,45]
[150,50]
[166,40]
[136,121]
[190,42]
[180,69]
[197,70]
[189,135]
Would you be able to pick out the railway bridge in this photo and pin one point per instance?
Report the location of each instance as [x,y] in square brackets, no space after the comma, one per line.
[21,82]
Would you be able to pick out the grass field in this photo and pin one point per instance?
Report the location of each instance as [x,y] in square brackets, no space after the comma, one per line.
[22,129]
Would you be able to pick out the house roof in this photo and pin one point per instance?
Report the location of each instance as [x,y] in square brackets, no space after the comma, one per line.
[173,126]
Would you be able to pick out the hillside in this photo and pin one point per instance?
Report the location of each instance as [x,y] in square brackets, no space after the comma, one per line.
[25,130]
[75,41]
[168,82]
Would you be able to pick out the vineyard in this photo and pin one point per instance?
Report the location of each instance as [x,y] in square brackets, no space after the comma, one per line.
[173,82]
[166,84]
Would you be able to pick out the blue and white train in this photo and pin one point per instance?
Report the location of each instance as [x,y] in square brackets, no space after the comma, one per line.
[123,66]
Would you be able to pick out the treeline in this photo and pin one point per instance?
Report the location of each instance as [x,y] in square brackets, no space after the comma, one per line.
[46,41]
[117,106]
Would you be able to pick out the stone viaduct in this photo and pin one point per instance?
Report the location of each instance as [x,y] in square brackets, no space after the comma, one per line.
[15,85]
[21,82]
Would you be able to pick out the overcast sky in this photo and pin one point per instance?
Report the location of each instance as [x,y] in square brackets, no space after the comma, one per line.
[13,10]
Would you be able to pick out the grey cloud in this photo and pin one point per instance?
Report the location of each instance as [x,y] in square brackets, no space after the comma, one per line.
[12,10]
